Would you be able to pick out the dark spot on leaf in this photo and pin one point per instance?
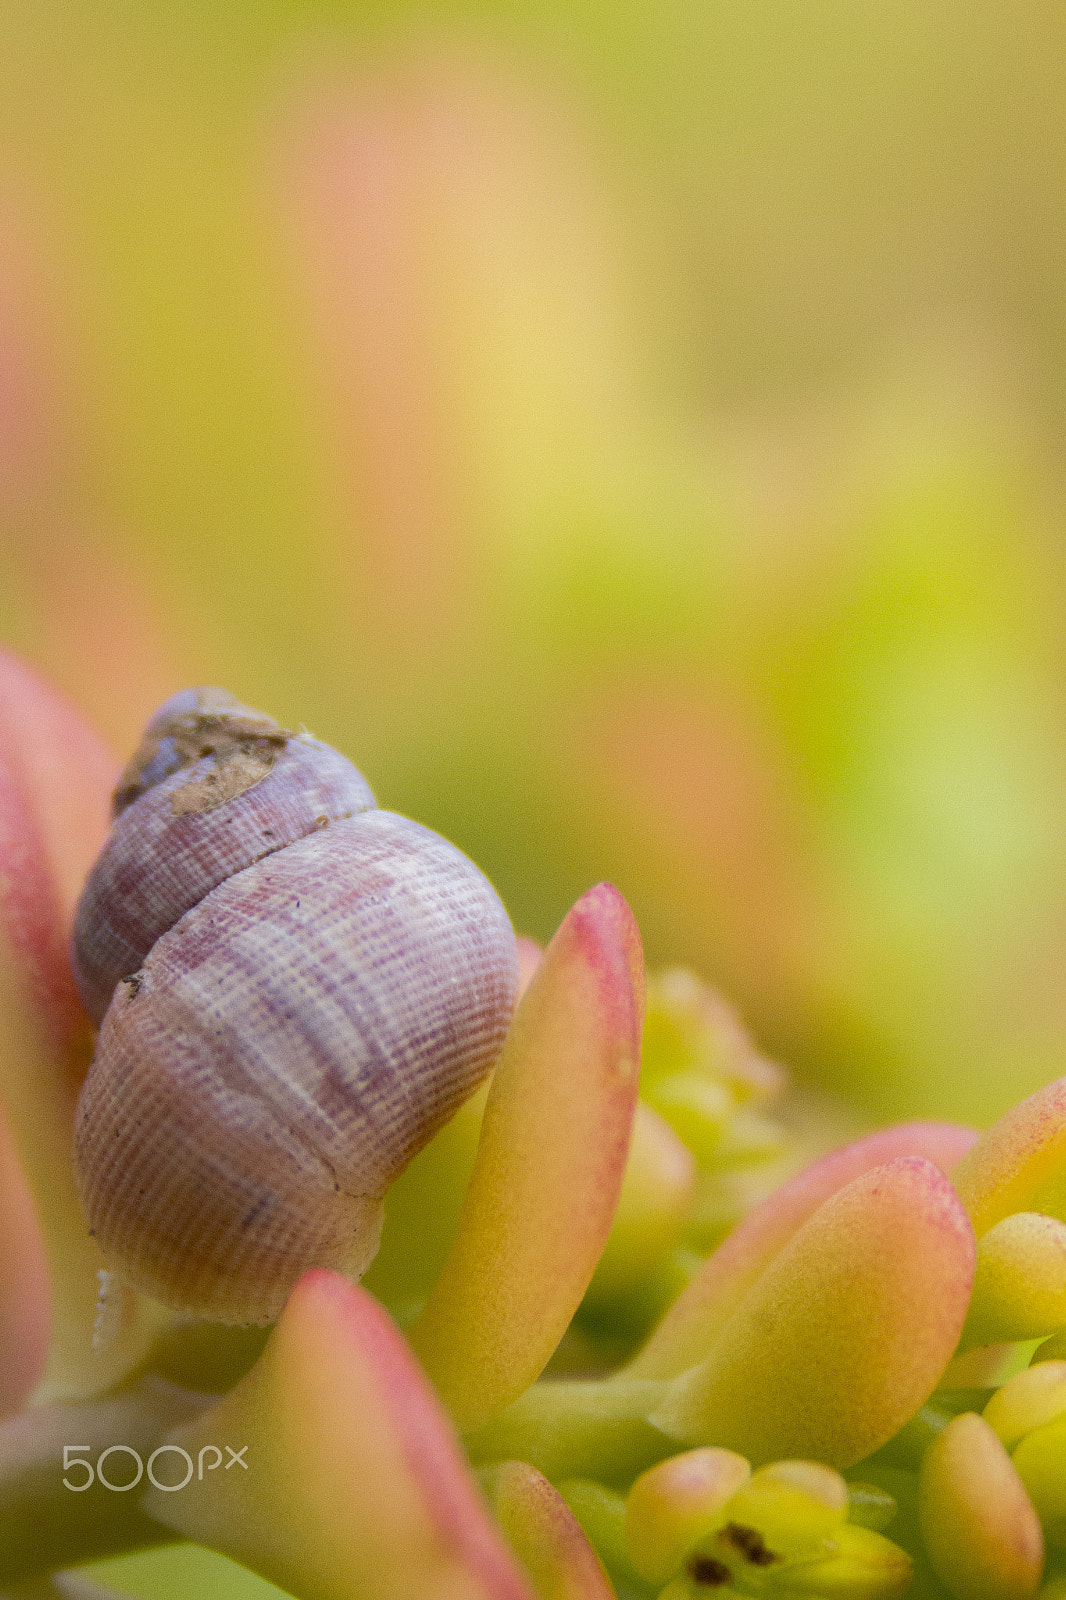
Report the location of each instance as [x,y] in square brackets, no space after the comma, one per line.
[750,1543]
[704,1569]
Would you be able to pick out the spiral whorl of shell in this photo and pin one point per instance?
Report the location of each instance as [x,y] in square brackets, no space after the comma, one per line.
[283,1049]
[213,788]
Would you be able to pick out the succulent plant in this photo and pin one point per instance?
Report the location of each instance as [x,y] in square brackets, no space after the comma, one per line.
[613,1342]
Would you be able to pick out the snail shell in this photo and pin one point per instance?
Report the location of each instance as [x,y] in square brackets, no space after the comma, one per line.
[297,1014]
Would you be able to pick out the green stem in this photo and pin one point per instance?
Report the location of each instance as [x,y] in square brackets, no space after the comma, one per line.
[570,1428]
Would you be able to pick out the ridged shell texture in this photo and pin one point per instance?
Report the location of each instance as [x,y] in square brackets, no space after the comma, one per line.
[310,1014]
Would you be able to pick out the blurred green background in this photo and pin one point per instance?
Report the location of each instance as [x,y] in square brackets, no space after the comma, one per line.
[633,432]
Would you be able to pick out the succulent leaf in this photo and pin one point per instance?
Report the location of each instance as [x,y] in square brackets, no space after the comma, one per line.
[1019,1289]
[845,1333]
[549,1167]
[1041,1462]
[546,1535]
[980,1529]
[355,1484]
[682,1337]
[1010,1164]
[1028,1400]
[55,779]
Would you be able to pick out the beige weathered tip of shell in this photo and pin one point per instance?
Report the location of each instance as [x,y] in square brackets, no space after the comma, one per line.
[163,856]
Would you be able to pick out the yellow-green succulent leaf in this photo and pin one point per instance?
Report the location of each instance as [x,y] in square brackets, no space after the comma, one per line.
[1040,1459]
[845,1334]
[1019,1289]
[1053,1349]
[859,1564]
[1029,1400]
[978,1523]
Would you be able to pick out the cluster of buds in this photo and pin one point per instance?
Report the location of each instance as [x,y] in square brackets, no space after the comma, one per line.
[575,1368]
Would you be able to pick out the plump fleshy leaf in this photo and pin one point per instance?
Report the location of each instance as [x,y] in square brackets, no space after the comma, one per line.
[55,779]
[1040,1460]
[546,1535]
[978,1524]
[352,1484]
[1028,1400]
[549,1167]
[682,1338]
[846,1332]
[1018,1156]
[1019,1289]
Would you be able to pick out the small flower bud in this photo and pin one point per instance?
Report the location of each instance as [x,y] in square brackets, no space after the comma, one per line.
[677,1503]
[697,1108]
[794,1505]
[654,1203]
[690,1027]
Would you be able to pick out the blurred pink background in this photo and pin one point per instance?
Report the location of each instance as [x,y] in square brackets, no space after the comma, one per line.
[634,434]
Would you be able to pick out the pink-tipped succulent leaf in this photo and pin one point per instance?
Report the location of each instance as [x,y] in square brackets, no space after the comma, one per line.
[352,1486]
[733,1270]
[846,1332]
[549,1167]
